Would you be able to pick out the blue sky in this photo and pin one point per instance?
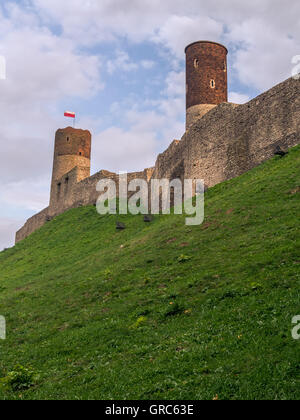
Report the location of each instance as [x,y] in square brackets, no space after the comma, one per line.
[119,64]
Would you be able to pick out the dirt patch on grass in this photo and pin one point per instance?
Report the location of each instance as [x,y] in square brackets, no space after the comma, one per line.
[295,190]
[229,211]
[170,241]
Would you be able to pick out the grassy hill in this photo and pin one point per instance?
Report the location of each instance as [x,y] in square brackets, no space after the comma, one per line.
[160,310]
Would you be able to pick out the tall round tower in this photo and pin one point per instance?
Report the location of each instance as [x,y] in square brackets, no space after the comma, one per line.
[72,149]
[206,78]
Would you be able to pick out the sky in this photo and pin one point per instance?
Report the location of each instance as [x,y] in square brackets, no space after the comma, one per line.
[120,65]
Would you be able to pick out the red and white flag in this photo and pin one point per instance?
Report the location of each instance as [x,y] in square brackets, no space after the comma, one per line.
[69,114]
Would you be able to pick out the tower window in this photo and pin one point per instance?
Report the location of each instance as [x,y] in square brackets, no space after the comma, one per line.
[196,63]
[68,139]
[212,84]
[66,185]
[58,190]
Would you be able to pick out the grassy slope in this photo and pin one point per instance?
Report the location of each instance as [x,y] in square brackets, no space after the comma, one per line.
[73,291]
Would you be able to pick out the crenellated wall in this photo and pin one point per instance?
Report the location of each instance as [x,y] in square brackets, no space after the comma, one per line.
[226,142]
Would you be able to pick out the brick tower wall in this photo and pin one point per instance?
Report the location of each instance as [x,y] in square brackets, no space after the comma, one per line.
[206,78]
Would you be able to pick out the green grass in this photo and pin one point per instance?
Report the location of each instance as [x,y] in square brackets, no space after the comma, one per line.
[161,310]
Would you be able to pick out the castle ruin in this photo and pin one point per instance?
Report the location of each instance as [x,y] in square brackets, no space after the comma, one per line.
[222,140]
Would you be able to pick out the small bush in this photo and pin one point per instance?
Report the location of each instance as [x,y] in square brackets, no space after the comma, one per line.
[107,274]
[140,321]
[183,258]
[256,286]
[19,379]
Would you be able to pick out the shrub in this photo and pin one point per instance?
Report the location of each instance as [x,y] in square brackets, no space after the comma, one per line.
[107,274]
[183,258]
[140,321]
[19,379]
[256,286]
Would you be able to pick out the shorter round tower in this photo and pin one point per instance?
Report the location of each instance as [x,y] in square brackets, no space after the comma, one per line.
[72,149]
[206,78]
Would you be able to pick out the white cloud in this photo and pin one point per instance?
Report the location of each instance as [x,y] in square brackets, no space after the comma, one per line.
[147,64]
[265,56]
[267,31]
[179,31]
[92,21]
[136,148]
[175,82]
[42,69]
[129,150]
[238,98]
[121,62]
[8,229]
[29,194]
[149,132]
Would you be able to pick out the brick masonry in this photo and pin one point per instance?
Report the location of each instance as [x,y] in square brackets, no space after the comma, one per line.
[206,78]
[226,142]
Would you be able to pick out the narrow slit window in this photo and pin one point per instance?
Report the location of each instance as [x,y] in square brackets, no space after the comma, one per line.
[212,84]
[58,190]
[66,185]
[196,63]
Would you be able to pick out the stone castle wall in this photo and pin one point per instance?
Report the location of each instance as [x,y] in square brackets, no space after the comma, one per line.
[226,142]
[231,139]
[194,113]
[75,194]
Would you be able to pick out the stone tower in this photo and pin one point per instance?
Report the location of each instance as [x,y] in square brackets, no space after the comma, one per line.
[72,150]
[206,78]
